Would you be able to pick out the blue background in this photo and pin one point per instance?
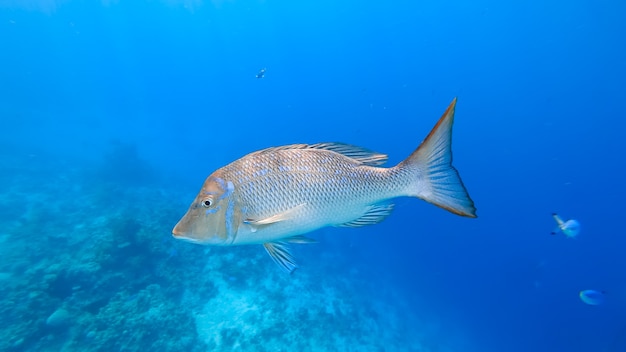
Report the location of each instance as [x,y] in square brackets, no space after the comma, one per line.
[539,129]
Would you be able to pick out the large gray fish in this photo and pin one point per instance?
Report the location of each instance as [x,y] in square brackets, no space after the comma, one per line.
[274,196]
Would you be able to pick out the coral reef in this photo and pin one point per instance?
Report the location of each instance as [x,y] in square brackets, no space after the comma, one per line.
[91,266]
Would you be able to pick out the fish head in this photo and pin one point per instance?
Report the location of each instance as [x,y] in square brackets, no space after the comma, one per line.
[213,217]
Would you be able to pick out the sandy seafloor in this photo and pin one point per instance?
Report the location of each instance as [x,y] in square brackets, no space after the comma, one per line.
[88,264]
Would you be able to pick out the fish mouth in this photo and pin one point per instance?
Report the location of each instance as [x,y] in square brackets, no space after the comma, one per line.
[176,233]
[179,232]
[181,236]
[186,239]
[191,240]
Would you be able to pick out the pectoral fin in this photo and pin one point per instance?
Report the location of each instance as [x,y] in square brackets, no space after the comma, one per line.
[285,215]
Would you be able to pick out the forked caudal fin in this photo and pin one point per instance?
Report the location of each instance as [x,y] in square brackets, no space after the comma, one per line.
[436,180]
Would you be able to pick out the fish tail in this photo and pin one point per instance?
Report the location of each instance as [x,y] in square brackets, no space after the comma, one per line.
[433,178]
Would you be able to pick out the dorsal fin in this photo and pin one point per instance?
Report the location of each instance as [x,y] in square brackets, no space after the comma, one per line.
[282,147]
[362,155]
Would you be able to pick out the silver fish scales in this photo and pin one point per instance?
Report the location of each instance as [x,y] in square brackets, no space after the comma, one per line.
[274,196]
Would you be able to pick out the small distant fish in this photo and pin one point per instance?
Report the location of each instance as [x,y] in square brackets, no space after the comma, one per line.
[592,297]
[274,196]
[570,228]
[261,73]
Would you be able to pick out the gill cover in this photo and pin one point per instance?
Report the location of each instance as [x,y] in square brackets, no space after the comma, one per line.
[213,217]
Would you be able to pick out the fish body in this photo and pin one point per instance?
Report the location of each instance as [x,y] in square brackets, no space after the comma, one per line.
[592,297]
[570,228]
[276,195]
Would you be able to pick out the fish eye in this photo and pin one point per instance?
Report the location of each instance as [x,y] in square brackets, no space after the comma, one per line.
[207,202]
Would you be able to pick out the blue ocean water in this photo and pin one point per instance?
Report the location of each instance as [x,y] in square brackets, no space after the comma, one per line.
[114,112]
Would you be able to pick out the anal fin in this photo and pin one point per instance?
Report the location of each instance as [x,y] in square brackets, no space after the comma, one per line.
[373,215]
